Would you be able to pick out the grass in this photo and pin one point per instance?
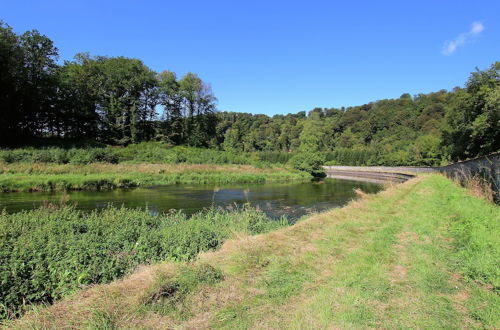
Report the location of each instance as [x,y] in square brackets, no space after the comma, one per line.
[98,176]
[423,254]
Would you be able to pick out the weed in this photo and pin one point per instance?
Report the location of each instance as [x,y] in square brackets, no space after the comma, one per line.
[50,252]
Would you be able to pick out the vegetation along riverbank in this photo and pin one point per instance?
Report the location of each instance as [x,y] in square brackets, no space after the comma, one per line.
[39,177]
[50,252]
[422,254]
[146,164]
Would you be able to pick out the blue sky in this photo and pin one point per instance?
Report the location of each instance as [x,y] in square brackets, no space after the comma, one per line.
[281,56]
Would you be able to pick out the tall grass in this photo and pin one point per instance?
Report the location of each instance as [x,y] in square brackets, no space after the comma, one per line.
[482,183]
[49,252]
[151,163]
[12,182]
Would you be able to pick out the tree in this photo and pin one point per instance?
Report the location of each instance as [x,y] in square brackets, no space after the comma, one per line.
[39,88]
[474,119]
[126,98]
[199,109]
[426,150]
[11,81]
[171,99]
[348,139]
[232,141]
[311,162]
[312,135]
[79,95]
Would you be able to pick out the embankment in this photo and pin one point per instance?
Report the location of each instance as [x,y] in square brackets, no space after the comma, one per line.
[422,254]
[99,176]
[488,167]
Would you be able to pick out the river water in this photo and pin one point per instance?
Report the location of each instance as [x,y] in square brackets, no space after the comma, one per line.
[275,199]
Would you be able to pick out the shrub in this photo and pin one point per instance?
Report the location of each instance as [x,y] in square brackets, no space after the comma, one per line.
[146,152]
[309,162]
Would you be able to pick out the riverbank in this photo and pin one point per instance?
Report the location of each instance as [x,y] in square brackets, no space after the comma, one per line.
[51,251]
[97,176]
[422,254]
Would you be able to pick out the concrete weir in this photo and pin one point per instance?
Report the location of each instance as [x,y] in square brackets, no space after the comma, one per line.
[486,166]
[376,174]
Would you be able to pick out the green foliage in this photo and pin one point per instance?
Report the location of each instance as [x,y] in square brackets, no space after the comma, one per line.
[426,150]
[474,119]
[312,138]
[61,156]
[147,152]
[49,252]
[309,162]
[352,156]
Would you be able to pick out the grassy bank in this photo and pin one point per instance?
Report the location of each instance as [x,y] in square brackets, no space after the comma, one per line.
[96,176]
[423,254]
[49,252]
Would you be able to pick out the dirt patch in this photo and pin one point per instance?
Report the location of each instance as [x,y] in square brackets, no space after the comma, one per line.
[461,296]
[398,274]
[460,299]
[407,237]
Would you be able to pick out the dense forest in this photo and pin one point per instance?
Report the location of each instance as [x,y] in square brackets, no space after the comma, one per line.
[120,101]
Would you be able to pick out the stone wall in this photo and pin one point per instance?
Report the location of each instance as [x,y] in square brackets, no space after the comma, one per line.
[382,169]
[487,166]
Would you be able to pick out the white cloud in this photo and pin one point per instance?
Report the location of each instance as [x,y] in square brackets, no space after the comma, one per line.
[450,46]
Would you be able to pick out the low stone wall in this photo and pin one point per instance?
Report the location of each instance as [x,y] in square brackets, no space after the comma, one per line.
[381,169]
[487,166]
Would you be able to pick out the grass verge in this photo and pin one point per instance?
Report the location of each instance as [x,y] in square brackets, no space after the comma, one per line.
[99,176]
[423,254]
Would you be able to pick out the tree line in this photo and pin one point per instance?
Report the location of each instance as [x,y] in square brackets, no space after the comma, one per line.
[120,101]
[114,100]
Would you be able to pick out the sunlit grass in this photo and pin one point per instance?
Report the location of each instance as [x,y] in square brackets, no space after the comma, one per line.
[49,177]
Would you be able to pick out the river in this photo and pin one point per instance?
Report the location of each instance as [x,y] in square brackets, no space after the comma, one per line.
[275,199]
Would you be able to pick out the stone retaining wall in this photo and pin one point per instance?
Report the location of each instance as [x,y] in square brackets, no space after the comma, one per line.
[487,166]
[382,169]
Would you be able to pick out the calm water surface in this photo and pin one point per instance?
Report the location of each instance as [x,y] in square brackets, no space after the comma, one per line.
[275,199]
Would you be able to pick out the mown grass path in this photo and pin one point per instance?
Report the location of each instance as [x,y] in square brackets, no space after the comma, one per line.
[418,255]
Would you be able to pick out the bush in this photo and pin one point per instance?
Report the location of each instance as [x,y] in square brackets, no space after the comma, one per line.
[146,152]
[17,155]
[309,162]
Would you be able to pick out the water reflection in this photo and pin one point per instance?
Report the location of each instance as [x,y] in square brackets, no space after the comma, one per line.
[276,199]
